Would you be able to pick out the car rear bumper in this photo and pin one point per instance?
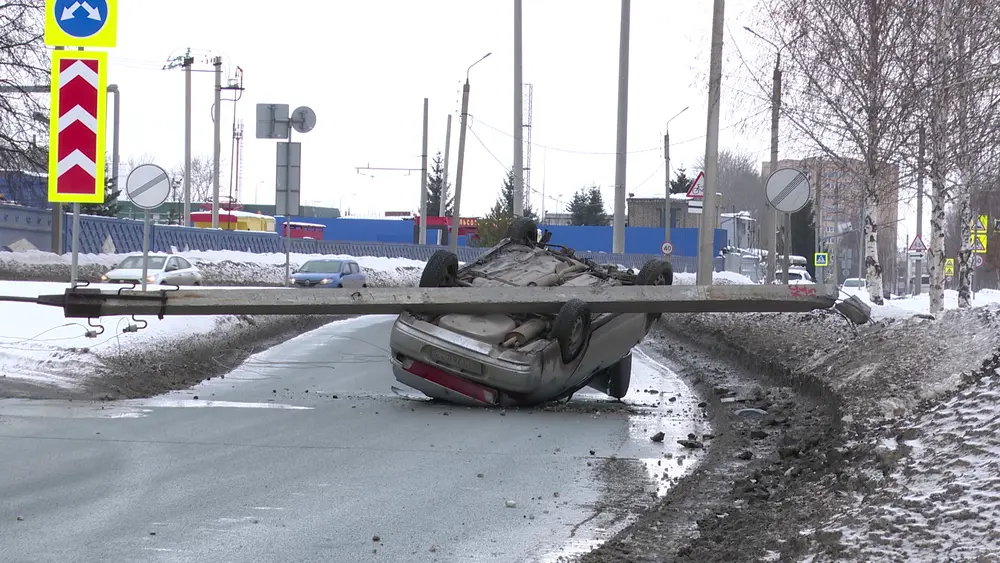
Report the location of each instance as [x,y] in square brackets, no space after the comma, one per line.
[457,356]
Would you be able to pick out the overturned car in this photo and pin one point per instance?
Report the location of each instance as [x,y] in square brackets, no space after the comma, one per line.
[505,360]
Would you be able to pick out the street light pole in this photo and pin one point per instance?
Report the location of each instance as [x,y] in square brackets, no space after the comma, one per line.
[771,215]
[666,157]
[709,213]
[618,225]
[456,208]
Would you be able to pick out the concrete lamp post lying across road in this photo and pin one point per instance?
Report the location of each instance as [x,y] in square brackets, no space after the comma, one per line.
[93,303]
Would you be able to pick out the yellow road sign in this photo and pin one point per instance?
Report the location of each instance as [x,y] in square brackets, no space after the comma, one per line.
[821,259]
[979,242]
[81,23]
[949,266]
[980,224]
[77,127]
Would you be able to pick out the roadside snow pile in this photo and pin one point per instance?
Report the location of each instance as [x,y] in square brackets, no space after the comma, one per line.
[881,370]
[718,278]
[904,306]
[217,266]
[938,498]
[41,349]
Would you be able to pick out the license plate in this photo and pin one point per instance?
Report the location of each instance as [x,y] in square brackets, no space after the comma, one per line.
[456,361]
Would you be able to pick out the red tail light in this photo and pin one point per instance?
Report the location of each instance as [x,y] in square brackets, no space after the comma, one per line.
[449,381]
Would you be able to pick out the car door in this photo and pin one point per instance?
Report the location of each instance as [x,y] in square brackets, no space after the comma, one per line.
[359,274]
[187,274]
[171,272]
[352,275]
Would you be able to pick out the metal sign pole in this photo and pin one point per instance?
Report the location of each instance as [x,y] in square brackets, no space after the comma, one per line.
[75,260]
[145,247]
[288,215]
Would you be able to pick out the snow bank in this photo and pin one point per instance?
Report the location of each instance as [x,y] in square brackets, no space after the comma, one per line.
[718,278]
[219,267]
[40,347]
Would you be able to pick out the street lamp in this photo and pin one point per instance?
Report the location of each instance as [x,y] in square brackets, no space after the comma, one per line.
[666,198]
[455,212]
[772,215]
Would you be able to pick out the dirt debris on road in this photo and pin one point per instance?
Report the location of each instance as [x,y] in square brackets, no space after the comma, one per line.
[877,444]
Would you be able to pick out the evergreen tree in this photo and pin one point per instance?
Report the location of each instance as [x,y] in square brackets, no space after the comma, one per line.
[587,208]
[681,182]
[492,228]
[110,207]
[436,189]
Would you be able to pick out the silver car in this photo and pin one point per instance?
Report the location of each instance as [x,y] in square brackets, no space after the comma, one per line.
[165,269]
[505,360]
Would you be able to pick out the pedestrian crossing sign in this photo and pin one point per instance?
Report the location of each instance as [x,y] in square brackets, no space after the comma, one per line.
[978,241]
[979,224]
[821,259]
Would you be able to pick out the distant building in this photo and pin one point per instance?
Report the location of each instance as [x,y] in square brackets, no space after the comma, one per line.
[25,188]
[170,212]
[648,212]
[558,219]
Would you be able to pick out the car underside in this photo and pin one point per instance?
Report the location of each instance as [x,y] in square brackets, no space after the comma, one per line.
[522,359]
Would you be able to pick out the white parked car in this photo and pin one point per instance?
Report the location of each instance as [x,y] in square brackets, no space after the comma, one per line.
[162,269]
[796,276]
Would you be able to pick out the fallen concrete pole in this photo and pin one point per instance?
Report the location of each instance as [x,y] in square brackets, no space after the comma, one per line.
[93,303]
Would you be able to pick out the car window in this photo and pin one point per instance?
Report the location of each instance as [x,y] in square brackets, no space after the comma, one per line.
[135,263]
[183,263]
[854,282]
[794,276]
[355,269]
[321,267]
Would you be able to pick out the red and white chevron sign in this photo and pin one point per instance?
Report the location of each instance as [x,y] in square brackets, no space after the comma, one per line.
[77,127]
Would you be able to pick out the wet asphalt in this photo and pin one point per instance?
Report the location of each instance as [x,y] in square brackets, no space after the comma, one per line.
[306,453]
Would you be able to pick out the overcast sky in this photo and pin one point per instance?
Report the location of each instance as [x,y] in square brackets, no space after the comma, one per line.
[365,67]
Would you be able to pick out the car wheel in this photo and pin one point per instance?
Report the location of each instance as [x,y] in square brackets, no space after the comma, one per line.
[655,272]
[523,229]
[364,285]
[571,329]
[441,270]
[619,377]
[197,283]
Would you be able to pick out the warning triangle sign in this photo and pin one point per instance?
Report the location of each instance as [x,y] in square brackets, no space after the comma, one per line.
[977,244]
[697,188]
[979,223]
[918,245]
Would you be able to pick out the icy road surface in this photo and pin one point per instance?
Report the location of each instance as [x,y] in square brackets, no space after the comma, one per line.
[306,454]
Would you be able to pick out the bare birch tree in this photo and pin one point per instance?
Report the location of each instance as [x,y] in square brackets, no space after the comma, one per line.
[848,92]
[24,61]
[963,110]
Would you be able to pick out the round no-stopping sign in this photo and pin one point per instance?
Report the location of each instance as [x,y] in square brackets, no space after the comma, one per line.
[667,248]
[977,261]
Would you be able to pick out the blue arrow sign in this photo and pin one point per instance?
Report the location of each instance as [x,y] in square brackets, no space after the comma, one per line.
[81,18]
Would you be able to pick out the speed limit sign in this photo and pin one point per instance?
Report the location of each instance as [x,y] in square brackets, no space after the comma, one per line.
[667,248]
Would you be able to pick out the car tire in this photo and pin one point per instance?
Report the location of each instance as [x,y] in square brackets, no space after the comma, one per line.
[364,285]
[655,272]
[441,270]
[523,229]
[571,329]
[620,377]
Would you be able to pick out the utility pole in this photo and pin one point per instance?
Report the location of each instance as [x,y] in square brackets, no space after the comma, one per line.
[818,219]
[666,193]
[708,215]
[518,167]
[217,154]
[443,203]
[618,228]
[423,183]
[457,206]
[187,63]
[918,264]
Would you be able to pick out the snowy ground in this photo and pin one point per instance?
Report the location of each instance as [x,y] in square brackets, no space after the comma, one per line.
[39,348]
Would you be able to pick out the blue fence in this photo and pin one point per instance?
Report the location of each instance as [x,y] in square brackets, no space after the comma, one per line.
[357,237]
[25,224]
